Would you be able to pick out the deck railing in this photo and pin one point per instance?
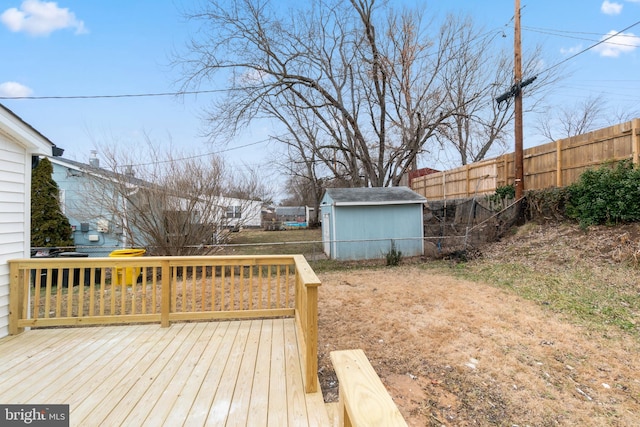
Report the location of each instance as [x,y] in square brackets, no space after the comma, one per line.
[99,291]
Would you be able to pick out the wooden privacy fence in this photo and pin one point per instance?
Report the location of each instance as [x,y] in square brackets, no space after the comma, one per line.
[555,164]
[99,291]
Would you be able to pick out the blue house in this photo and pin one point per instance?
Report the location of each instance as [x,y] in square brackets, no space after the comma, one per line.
[95,233]
[364,223]
[109,210]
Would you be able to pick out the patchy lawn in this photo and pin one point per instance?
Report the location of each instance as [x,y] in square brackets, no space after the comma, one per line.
[540,330]
[260,242]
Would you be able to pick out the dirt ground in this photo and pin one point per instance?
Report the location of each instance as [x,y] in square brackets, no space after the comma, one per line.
[456,353]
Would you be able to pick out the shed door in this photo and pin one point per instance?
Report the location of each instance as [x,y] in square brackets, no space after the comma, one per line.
[326,234]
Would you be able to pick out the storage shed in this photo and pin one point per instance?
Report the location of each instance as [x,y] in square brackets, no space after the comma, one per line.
[364,223]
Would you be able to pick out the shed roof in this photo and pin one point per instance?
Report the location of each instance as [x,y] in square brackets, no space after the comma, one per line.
[374,196]
[290,210]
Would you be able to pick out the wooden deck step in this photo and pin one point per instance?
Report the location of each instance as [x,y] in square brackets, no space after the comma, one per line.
[363,398]
[333,410]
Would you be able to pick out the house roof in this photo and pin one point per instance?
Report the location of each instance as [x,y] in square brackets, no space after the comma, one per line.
[123,178]
[374,196]
[101,172]
[12,125]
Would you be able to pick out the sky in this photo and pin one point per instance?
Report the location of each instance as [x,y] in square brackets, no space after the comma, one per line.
[118,47]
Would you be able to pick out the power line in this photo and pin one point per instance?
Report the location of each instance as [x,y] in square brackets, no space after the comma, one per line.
[559,33]
[589,48]
[477,39]
[589,39]
[127,95]
[197,156]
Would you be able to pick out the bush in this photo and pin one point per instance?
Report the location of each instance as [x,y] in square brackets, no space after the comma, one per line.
[393,256]
[497,201]
[547,204]
[607,195]
[49,226]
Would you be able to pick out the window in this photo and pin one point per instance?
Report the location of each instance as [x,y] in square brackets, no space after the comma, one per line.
[234,212]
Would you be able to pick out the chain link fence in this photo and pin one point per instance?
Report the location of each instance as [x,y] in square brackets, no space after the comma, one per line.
[456,227]
[452,228]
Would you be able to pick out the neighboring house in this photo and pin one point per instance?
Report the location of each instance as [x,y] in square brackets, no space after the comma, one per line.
[242,213]
[363,223]
[94,232]
[98,231]
[282,217]
[293,216]
[19,142]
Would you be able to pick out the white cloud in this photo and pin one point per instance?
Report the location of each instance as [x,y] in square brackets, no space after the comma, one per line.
[572,50]
[611,8]
[14,90]
[40,18]
[617,45]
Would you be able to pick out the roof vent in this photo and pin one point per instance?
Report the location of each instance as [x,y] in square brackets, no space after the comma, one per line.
[93,160]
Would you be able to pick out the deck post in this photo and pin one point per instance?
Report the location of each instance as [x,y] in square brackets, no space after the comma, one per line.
[16,297]
[311,374]
[307,311]
[165,305]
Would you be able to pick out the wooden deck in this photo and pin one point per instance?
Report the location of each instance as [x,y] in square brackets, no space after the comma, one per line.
[227,373]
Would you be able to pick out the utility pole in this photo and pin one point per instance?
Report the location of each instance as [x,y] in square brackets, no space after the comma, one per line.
[517,68]
[516,92]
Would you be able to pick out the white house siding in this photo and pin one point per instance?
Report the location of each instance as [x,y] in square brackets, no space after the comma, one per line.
[14,216]
[18,142]
[250,213]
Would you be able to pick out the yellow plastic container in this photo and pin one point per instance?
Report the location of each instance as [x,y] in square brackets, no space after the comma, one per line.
[126,275]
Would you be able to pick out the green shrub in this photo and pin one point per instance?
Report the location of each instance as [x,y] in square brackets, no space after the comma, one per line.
[49,226]
[506,192]
[607,195]
[394,255]
[498,199]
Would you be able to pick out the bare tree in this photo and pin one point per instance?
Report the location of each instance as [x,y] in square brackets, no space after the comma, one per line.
[366,85]
[474,77]
[581,117]
[622,114]
[171,204]
[565,122]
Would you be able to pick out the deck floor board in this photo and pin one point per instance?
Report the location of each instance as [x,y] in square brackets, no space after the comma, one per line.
[237,373]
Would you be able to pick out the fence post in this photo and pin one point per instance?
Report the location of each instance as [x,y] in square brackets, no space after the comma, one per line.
[16,297]
[444,185]
[559,163]
[165,284]
[635,141]
[468,183]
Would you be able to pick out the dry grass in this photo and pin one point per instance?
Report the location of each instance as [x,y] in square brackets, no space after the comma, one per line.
[190,293]
[513,346]
[455,352]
